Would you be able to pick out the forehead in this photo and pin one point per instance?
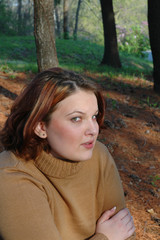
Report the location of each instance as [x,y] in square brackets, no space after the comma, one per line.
[78,101]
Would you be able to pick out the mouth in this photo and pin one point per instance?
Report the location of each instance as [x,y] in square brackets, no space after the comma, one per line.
[88,145]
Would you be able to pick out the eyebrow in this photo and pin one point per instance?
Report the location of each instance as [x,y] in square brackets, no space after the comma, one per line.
[79,112]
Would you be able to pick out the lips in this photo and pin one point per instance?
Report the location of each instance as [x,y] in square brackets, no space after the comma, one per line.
[88,145]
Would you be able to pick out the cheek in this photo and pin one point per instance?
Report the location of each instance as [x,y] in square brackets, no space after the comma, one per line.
[64,133]
[70,134]
[67,135]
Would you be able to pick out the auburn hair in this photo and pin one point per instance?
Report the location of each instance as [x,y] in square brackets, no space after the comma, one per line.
[36,103]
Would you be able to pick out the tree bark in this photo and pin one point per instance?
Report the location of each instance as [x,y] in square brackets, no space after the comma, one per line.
[154,35]
[111,54]
[65,19]
[77,18]
[44,34]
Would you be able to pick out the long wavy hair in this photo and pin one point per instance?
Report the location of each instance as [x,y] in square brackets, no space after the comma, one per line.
[36,103]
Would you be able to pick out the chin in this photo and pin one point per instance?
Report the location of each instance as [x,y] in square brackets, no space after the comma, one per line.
[85,157]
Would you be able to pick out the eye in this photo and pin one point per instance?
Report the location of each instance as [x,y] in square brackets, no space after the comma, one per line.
[95,116]
[76,119]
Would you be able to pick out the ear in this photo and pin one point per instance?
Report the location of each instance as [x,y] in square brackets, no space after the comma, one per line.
[40,130]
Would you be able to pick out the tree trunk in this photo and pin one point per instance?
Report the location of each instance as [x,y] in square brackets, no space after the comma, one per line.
[44,34]
[19,12]
[111,54]
[65,19]
[77,18]
[154,35]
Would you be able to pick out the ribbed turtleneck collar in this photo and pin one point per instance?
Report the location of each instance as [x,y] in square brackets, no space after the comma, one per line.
[54,167]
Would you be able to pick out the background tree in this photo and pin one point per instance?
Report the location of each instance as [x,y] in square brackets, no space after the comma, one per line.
[111,54]
[19,12]
[19,17]
[65,19]
[6,19]
[154,35]
[27,20]
[44,34]
[76,20]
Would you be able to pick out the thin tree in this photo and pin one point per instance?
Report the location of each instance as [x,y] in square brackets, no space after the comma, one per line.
[154,35]
[45,34]
[76,20]
[19,12]
[111,54]
[65,19]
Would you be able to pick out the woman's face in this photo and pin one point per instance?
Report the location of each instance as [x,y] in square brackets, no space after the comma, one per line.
[73,128]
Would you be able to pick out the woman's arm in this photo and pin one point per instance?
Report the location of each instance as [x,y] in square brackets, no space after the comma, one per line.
[113,189]
[115,223]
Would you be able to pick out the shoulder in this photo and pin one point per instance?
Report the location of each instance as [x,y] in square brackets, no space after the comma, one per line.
[7,159]
[10,163]
[14,170]
[102,155]
[100,150]
[100,147]
[20,178]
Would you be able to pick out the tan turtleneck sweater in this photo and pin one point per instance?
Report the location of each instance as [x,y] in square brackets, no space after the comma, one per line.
[52,199]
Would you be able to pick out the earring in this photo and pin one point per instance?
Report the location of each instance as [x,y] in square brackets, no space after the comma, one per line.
[43,134]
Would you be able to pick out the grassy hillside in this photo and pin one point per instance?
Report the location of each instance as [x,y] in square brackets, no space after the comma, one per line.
[19,54]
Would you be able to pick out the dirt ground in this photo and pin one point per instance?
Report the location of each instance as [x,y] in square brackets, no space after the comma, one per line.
[132,134]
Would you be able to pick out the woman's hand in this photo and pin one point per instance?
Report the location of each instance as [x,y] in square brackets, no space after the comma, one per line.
[117,227]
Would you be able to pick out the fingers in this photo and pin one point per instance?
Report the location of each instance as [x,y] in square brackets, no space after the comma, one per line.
[106,215]
[131,230]
[116,226]
[125,218]
[130,225]
[127,221]
[123,215]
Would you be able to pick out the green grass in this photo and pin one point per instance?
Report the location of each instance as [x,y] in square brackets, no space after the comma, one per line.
[17,48]
[19,54]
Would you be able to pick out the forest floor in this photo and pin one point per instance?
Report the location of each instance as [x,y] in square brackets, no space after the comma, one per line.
[132,135]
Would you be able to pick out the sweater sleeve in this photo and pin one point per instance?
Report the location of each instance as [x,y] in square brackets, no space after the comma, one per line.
[99,236]
[24,209]
[113,190]
[115,195]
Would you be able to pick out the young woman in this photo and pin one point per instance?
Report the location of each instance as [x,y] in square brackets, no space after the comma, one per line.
[57,182]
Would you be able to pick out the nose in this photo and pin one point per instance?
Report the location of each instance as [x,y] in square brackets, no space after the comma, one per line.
[92,128]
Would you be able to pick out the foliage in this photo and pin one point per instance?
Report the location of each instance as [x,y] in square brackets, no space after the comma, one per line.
[6,19]
[132,26]
[150,101]
[134,42]
[128,14]
[154,180]
[90,22]
[131,23]
[9,18]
